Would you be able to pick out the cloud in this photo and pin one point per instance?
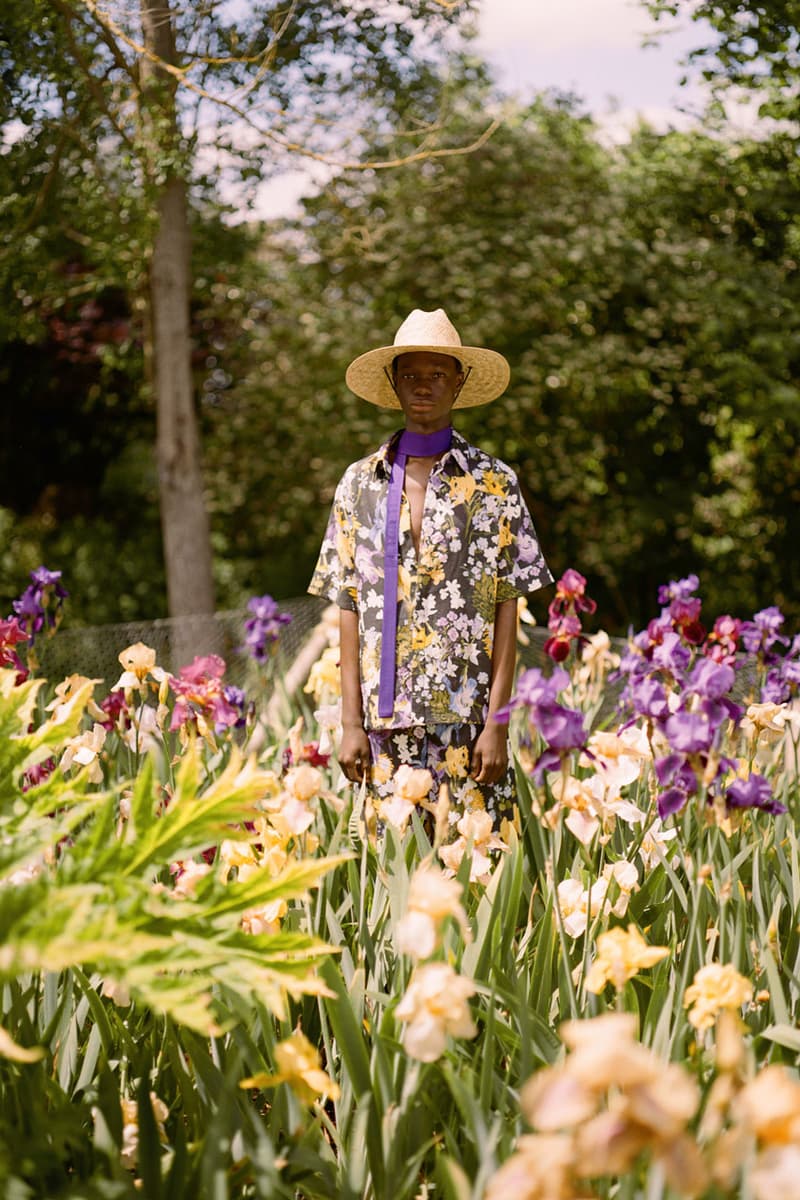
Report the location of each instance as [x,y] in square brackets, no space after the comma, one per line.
[610,53]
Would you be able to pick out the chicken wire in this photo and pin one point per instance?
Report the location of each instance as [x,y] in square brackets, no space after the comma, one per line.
[94,650]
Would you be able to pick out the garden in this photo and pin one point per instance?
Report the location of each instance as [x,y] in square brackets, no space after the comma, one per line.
[228,973]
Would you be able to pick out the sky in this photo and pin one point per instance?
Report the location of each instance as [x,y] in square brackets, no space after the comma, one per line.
[593,48]
[596,49]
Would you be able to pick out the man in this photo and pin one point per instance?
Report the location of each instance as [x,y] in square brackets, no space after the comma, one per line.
[428,547]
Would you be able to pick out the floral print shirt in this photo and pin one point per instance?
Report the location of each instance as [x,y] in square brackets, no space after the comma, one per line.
[477,548]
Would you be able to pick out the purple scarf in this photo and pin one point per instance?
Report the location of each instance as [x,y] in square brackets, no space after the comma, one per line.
[417,445]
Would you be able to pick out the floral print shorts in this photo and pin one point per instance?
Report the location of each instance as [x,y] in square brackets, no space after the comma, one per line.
[445,751]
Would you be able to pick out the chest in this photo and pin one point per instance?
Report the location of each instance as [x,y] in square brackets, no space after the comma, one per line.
[415,486]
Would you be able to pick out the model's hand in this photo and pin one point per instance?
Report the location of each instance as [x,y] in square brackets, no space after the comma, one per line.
[354,753]
[490,753]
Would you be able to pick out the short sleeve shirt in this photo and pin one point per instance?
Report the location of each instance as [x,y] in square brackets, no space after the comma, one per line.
[478,547]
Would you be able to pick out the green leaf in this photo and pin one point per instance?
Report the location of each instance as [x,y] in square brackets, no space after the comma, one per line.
[783,1035]
[348,1033]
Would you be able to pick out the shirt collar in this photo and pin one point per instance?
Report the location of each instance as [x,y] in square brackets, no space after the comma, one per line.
[453,461]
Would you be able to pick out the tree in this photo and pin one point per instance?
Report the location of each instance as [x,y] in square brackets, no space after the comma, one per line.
[184,519]
[142,84]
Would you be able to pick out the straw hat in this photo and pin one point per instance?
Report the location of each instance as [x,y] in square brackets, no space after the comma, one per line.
[488,373]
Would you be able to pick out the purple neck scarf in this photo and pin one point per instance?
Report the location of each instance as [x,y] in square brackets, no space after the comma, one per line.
[417,445]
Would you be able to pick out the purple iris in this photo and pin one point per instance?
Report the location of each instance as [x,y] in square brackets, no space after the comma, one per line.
[561,728]
[653,635]
[236,702]
[29,610]
[533,690]
[763,632]
[774,690]
[711,679]
[43,578]
[783,677]
[671,655]
[753,792]
[689,732]
[680,589]
[40,605]
[263,628]
[226,714]
[649,699]
[676,772]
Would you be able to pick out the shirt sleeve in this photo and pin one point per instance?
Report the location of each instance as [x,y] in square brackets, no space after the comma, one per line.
[334,575]
[521,567]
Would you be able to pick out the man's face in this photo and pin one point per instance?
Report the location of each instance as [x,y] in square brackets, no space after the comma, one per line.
[427,386]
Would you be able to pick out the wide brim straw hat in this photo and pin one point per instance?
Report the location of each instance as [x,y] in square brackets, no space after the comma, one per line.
[488,373]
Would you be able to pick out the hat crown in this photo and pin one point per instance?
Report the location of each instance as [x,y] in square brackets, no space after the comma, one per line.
[422,328]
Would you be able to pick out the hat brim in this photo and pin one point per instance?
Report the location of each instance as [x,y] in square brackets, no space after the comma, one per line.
[488,374]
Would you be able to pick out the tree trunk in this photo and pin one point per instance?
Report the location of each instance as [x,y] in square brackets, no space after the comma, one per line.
[184,519]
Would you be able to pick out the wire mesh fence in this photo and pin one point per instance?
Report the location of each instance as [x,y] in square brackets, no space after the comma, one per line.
[94,650]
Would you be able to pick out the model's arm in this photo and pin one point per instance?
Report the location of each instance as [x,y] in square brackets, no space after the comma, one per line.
[490,752]
[354,746]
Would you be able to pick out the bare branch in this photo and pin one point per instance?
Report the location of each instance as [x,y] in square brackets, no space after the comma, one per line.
[404,159]
[290,146]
